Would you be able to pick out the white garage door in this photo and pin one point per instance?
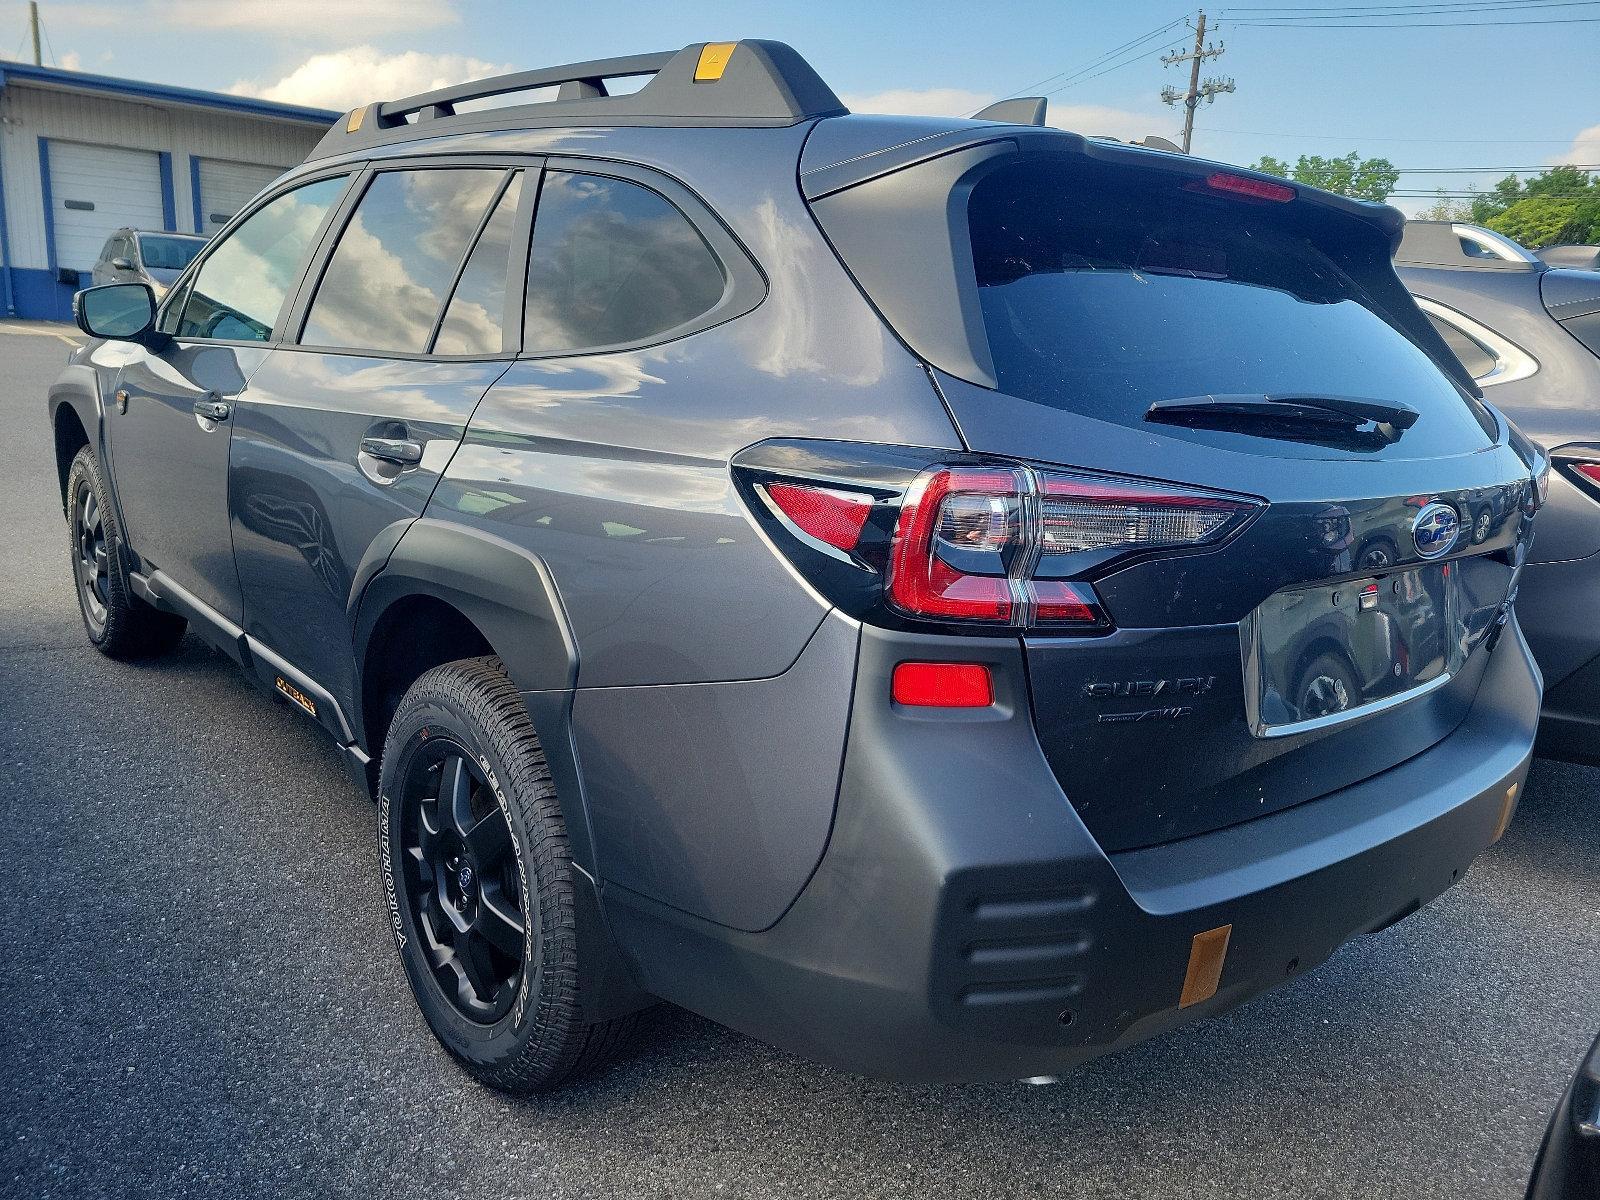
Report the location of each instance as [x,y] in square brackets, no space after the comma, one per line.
[226,187]
[95,190]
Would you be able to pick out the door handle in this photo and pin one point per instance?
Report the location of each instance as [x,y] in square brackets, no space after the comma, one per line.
[395,450]
[212,410]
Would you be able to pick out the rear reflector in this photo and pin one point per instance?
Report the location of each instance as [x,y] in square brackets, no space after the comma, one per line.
[943,685]
[1243,185]
[830,516]
[1207,952]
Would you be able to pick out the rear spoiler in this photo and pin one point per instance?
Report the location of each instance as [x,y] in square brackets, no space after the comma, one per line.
[872,203]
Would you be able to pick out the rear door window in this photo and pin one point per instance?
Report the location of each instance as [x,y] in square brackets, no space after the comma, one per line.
[613,264]
[396,260]
[1106,294]
[242,285]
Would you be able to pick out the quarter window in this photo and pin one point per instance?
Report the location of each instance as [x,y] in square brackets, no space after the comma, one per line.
[612,264]
[243,283]
[396,259]
[1476,358]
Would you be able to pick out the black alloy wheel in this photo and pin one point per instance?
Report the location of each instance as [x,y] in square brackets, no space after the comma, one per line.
[93,555]
[463,884]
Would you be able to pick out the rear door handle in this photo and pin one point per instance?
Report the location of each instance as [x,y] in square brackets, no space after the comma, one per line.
[394,450]
[212,410]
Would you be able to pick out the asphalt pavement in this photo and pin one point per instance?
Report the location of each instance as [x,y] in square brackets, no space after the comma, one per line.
[198,995]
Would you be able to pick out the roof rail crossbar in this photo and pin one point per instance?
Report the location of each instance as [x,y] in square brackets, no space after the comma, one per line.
[728,83]
[589,77]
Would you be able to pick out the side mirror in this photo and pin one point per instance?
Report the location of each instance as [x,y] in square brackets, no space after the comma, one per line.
[124,312]
[122,264]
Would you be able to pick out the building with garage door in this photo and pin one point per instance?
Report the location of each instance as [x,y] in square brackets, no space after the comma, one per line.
[83,155]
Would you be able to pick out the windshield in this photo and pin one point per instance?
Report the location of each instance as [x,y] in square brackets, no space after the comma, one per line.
[1105,292]
[168,253]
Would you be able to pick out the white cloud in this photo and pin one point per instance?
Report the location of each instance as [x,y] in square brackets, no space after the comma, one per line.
[1095,120]
[1585,147]
[285,18]
[71,61]
[344,79]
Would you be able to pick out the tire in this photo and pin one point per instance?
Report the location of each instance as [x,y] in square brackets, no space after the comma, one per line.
[479,881]
[1327,685]
[119,624]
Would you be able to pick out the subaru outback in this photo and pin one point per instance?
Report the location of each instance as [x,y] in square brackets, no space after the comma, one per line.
[948,597]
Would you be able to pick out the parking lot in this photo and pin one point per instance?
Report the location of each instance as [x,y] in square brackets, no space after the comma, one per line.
[201,996]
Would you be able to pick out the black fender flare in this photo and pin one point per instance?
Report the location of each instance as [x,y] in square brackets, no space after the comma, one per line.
[509,594]
[78,388]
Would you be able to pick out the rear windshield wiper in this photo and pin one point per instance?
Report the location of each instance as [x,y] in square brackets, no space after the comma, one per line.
[1389,418]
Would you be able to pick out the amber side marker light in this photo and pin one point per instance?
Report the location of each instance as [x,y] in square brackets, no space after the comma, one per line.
[1207,953]
[943,685]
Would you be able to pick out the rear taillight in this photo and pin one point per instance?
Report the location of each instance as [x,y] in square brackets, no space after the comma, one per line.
[986,545]
[829,515]
[995,545]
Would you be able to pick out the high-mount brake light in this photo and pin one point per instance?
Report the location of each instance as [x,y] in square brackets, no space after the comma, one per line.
[1243,185]
[829,515]
[988,543]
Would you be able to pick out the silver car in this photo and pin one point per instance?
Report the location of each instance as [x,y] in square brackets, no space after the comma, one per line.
[135,256]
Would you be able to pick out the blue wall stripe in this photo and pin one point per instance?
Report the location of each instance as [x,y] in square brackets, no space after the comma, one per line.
[49,206]
[194,193]
[169,206]
[5,254]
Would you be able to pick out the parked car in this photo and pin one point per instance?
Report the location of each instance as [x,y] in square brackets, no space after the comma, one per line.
[140,256]
[863,579]
[1530,335]
[1568,1166]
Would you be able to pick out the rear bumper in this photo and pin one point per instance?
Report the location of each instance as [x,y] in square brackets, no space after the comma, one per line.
[964,925]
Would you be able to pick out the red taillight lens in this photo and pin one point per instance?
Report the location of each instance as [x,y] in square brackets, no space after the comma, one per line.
[957,528]
[943,685]
[831,516]
[988,544]
[1590,471]
[1243,185]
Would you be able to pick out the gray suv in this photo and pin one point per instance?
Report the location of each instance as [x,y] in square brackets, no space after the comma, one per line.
[906,589]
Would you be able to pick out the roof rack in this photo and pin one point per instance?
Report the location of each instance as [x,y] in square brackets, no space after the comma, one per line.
[708,83]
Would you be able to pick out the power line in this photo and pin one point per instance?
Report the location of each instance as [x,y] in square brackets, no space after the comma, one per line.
[1413,25]
[1361,137]
[1330,12]
[1075,81]
[1493,170]
[1109,54]
[1073,76]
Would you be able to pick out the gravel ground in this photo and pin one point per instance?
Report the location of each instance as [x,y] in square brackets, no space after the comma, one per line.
[201,998]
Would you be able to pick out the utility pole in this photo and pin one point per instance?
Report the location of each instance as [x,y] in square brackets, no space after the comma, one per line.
[33,26]
[1198,91]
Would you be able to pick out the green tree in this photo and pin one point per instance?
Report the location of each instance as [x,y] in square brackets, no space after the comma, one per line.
[1446,208]
[1536,221]
[1352,175]
[1559,205]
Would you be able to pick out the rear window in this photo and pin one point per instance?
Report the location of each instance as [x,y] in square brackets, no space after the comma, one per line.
[168,254]
[1105,291]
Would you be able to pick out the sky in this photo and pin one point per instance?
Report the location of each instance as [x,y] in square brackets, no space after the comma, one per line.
[1471,88]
